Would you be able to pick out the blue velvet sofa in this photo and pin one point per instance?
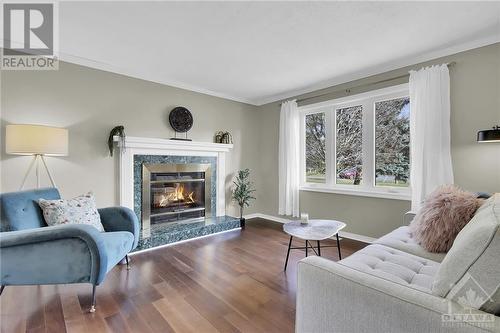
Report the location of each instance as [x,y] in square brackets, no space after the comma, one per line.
[32,253]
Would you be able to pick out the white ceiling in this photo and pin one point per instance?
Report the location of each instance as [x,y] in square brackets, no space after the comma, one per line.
[258,52]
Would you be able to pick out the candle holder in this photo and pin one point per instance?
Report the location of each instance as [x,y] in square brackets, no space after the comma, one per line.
[304,218]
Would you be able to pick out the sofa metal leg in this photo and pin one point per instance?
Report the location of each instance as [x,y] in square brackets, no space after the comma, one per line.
[288,252]
[338,247]
[1,289]
[126,259]
[92,307]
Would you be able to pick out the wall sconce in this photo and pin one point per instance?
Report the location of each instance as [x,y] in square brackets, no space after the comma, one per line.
[491,135]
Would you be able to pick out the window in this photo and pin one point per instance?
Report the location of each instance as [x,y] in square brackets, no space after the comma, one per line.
[315,148]
[349,145]
[359,144]
[392,142]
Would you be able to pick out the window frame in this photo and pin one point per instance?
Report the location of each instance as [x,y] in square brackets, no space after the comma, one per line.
[367,187]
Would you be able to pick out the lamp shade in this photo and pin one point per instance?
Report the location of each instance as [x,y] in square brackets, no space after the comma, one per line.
[36,139]
[491,135]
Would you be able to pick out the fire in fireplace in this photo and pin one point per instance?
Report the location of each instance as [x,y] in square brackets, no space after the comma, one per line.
[177,195]
[173,196]
[173,192]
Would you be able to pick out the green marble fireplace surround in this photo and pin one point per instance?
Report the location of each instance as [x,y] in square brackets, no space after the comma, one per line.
[170,232]
[139,160]
[138,153]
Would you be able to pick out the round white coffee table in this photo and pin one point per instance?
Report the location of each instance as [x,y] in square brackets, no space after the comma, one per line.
[315,230]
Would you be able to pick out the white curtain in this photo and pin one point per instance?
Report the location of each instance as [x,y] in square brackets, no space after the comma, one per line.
[289,159]
[429,132]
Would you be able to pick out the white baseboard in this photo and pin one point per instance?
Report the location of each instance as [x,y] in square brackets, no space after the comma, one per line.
[343,234]
[267,217]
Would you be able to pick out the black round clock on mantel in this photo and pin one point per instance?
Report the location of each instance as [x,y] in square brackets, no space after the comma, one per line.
[181,121]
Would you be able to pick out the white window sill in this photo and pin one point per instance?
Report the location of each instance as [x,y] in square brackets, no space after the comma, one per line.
[358,192]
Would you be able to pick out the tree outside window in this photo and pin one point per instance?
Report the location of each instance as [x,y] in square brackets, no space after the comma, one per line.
[392,142]
[349,145]
[315,148]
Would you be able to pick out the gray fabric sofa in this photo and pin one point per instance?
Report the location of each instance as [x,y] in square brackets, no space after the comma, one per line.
[394,285]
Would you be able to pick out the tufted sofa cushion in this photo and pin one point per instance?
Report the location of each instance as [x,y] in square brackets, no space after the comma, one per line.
[394,265]
[401,239]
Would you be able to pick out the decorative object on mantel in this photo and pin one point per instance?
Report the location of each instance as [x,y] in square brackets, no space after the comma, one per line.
[242,192]
[304,218]
[120,132]
[227,138]
[218,136]
[38,141]
[181,121]
[223,137]
[490,135]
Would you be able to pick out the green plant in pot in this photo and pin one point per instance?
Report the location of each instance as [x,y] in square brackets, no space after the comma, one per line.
[242,192]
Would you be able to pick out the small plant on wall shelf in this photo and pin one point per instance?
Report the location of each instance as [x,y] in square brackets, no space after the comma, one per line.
[242,192]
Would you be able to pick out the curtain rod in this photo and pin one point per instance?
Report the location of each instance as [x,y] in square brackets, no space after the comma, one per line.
[450,64]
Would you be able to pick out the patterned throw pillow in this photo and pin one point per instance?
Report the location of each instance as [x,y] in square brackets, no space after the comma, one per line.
[79,210]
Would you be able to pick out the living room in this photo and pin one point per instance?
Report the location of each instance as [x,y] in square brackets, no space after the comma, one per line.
[250,166]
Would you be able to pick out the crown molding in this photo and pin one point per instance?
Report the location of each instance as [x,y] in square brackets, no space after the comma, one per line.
[374,70]
[107,67]
[383,68]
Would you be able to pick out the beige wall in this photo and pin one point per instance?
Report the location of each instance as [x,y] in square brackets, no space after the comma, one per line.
[90,102]
[475,104]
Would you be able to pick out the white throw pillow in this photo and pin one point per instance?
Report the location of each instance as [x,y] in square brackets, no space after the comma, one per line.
[79,210]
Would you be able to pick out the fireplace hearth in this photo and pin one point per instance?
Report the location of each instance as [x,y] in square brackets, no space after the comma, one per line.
[175,192]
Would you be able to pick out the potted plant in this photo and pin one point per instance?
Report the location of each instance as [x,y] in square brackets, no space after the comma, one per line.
[242,192]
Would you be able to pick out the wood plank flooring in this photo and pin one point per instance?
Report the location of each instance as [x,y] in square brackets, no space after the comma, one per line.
[231,282]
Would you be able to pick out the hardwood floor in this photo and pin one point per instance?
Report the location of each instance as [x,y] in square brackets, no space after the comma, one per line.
[224,283]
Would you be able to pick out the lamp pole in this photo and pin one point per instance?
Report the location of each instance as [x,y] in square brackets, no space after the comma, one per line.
[36,163]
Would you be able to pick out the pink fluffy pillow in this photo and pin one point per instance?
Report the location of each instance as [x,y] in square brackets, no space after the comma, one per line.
[444,213]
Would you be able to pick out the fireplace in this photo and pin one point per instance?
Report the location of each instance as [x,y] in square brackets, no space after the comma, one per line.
[139,157]
[175,192]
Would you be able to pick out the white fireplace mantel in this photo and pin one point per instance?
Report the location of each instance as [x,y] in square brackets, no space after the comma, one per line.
[155,143]
[154,146]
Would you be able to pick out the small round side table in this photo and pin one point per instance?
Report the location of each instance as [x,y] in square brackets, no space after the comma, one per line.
[315,230]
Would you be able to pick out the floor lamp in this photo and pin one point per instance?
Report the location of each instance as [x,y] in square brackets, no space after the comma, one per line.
[39,141]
